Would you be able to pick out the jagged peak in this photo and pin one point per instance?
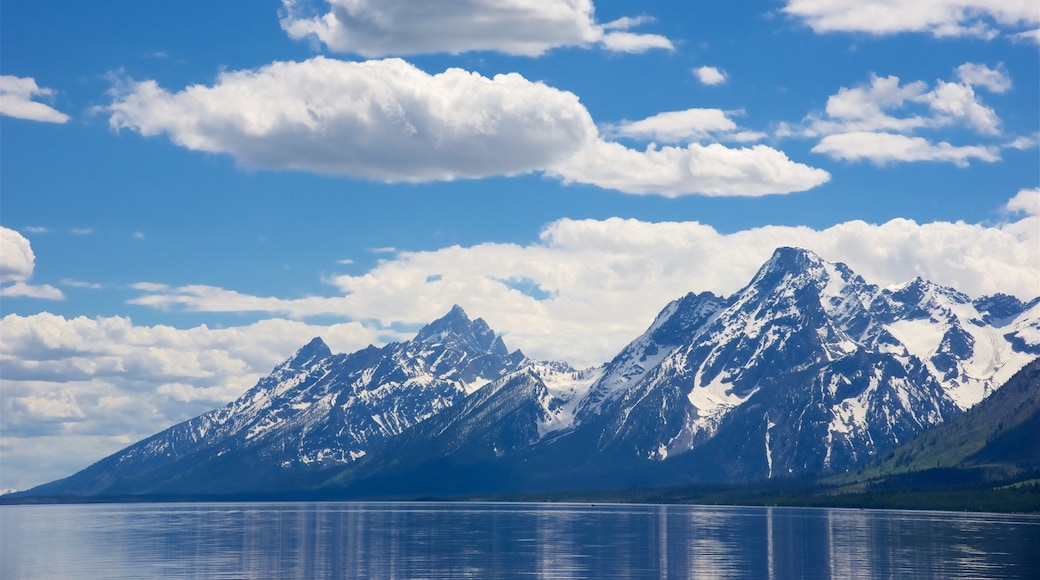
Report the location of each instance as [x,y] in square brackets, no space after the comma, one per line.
[313,351]
[789,263]
[457,325]
[788,260]
[919,290]
[790,255]
[1000,305]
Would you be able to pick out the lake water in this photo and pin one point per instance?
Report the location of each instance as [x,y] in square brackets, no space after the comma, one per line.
[475,540]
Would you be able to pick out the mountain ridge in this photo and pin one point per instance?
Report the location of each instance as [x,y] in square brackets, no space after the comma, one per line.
[806,370]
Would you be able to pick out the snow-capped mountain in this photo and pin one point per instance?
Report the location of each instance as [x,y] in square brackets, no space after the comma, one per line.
[808,369]
[314,410]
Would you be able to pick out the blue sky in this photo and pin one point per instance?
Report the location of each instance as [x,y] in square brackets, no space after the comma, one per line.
[192,190]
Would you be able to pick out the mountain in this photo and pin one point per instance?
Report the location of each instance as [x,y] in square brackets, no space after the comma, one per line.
[997,438]
[807,370]
[315,410]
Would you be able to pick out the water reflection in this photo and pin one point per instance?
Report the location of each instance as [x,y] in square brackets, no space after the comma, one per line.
[430,540]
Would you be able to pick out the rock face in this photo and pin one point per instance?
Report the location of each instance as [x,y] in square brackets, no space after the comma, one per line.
[808,369]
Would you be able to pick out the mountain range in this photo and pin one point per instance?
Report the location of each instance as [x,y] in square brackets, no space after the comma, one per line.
[807,370]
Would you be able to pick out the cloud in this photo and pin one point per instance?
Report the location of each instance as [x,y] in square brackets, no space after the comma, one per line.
[634,43]
[980,75]
[389,121]
[109,382]
[882,148]
[1026,201]
[202,298]
[374,28]
[712,170]
[1028,36]
[709,75]
[877,122]
[864,108]
[90,386]
[589,286]
[941,18]
[677,126]
[384,120]
[17,262]
[16,100]
[956,101]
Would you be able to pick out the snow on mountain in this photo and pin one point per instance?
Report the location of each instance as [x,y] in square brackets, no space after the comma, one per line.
[807,369]
[316,409]
[823,368]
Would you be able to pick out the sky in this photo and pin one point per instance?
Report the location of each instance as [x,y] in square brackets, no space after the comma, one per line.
[190,191]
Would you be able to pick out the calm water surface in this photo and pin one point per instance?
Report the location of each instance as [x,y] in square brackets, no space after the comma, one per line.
[467,540]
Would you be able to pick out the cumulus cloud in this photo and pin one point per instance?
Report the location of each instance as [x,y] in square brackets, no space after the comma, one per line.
[882,148]
[677,126]
[713,170]
[387,120]
[866,108]
[1026,201]
[877,121]
[709,75]
[588,286]
[91,386]
[17,96]
[941,18]
[17,262]
[980,75]
[375,28]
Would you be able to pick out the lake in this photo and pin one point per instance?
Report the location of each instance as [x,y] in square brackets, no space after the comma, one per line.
[481,540]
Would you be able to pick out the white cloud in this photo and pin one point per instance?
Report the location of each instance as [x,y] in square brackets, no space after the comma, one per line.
[201,298]
[956,101]
[713,170]
[865,108]
[709,75]
[375,28]
[17,259]
[109,382]
[1026,201]
[91,386]
[980,75]
[941,18]
[634,43]
[1030,36]
[882,148]
[1023,143]
[17,262]
[593,285]
[16,100]
[861,123]
[387,120]
[677,126]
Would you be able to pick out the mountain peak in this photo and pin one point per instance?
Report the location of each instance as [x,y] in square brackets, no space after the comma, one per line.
[456,326]
[790,258]
[787,263]
[308,354]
